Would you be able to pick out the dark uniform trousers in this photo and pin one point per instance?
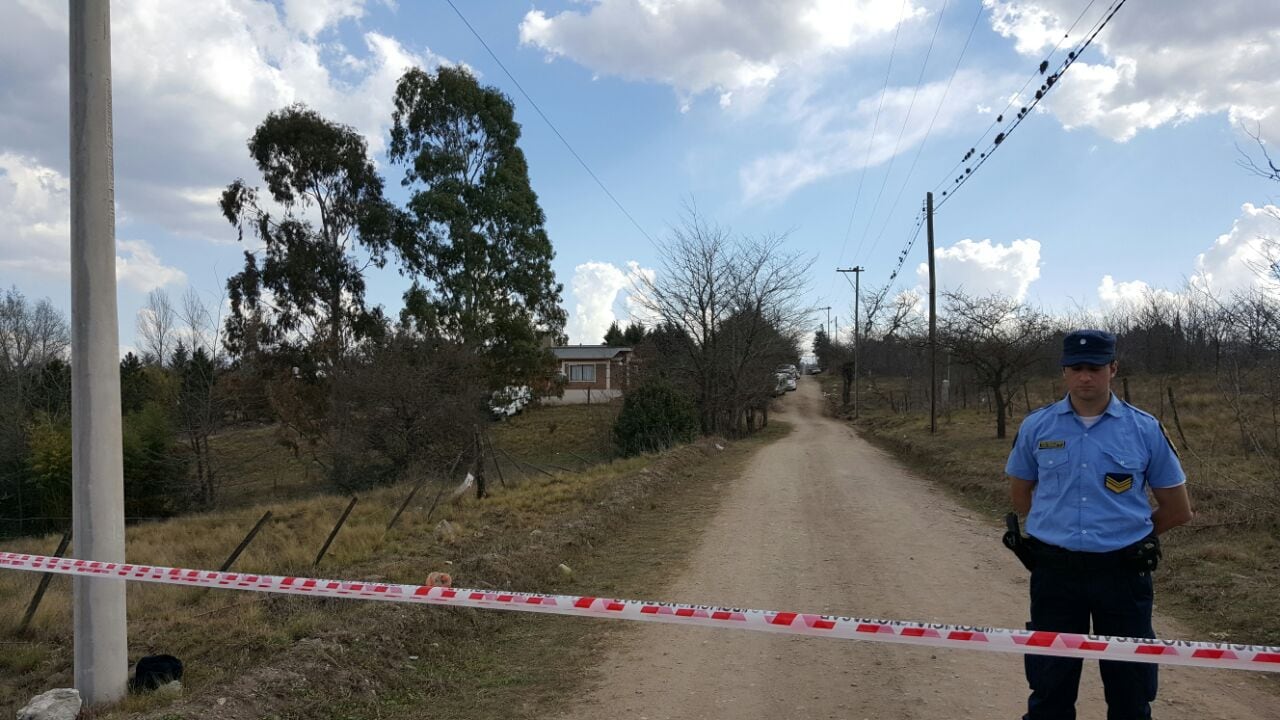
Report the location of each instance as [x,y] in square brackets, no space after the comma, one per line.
[1064,598]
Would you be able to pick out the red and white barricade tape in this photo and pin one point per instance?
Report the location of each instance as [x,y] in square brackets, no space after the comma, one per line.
[1166,652]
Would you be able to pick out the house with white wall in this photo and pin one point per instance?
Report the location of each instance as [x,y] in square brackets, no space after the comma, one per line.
[592,373]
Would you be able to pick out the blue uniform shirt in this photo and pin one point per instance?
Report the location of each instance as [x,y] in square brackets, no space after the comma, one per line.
[1090,484]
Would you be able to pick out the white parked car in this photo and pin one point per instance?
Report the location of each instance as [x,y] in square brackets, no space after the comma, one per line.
[780,382]
[510,401]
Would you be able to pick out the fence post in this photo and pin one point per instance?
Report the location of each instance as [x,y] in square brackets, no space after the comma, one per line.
[245,542]
[44,585]
[336,528]
[1173,405]
[494,454]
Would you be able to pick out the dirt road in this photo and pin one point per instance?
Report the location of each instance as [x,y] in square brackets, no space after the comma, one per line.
[823,522]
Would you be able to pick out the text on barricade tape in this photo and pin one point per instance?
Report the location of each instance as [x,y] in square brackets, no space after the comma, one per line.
[1166,652]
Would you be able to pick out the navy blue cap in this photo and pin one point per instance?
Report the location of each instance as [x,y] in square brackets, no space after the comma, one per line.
[1088,347]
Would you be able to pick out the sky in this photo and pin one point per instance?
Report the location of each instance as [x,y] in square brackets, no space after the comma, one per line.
[826,120]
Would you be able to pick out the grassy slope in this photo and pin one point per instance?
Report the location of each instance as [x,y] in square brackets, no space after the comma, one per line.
[258,469]
[1219,574]
[622,527]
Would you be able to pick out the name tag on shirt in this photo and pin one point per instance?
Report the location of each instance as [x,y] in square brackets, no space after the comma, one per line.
[1052,444]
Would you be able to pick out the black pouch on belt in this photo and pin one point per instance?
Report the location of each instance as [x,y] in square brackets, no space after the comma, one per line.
[1144,555]
[1014,540]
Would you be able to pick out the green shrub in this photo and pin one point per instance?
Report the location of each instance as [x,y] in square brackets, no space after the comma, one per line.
[654,417]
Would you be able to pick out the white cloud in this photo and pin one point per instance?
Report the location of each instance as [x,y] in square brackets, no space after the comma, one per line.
[190,87]
[983,268]
[1237,259]
[35,209]
[138,266]
[310,17]
[697,46]
[35,215]
[595,288]
[1155,63]
[1132,294]
[833,140]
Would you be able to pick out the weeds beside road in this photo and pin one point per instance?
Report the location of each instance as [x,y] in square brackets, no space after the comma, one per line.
[622,528]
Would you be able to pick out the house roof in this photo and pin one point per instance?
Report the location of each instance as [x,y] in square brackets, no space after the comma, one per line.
[588,352]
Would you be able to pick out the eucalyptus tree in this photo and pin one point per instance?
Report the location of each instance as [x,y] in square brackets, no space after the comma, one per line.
[479,254]
[322,222]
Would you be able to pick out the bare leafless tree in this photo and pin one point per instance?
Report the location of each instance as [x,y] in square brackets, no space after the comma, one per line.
[1258,160]
[738,303]
[30,335]
[997,337]
[200,329]
[157,326]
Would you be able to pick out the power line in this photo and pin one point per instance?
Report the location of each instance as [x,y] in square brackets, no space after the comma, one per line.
[906,250]
[1025,112]
[551,125]
[902,131]
[938,111]
[871,140]
[1034,74]
[1097,27]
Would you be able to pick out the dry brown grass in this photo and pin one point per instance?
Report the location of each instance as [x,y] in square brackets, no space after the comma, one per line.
[301,657]
[565,435]
[1220,572]
[256,468]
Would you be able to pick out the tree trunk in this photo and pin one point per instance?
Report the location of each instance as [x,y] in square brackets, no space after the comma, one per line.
[997,391]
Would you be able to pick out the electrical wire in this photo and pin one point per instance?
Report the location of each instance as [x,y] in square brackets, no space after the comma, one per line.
[1016,97]
[871,140]
[906,250]
[902,131]
[920,149]
[1040,95]
[552,125]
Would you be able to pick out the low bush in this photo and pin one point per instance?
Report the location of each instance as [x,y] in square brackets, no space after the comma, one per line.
[654,417]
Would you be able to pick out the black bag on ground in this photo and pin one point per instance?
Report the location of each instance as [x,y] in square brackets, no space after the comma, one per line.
[153,671]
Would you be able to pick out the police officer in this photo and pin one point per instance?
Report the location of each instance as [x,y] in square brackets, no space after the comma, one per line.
[1080,470]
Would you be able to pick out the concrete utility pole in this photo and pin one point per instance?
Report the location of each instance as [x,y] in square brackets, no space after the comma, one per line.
[857,326]
[97,466]
[828,326]
[933,325]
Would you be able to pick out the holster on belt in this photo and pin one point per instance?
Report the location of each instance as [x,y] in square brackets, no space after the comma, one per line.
[1140,557]
[1017,542]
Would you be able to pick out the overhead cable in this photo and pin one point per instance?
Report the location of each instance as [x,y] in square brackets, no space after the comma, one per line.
[552,125]
[1050,81]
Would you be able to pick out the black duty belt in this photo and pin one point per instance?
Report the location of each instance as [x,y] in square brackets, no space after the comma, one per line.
[1142,556]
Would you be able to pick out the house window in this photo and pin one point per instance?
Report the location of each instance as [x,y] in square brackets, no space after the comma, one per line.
[582,373]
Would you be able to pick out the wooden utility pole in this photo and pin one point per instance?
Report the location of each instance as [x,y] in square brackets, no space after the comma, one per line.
[933,324]
[857,327]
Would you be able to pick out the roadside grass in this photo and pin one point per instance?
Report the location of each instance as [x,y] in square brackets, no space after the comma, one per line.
[1220,572]
[621,527]
[257,468]
[565,435]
